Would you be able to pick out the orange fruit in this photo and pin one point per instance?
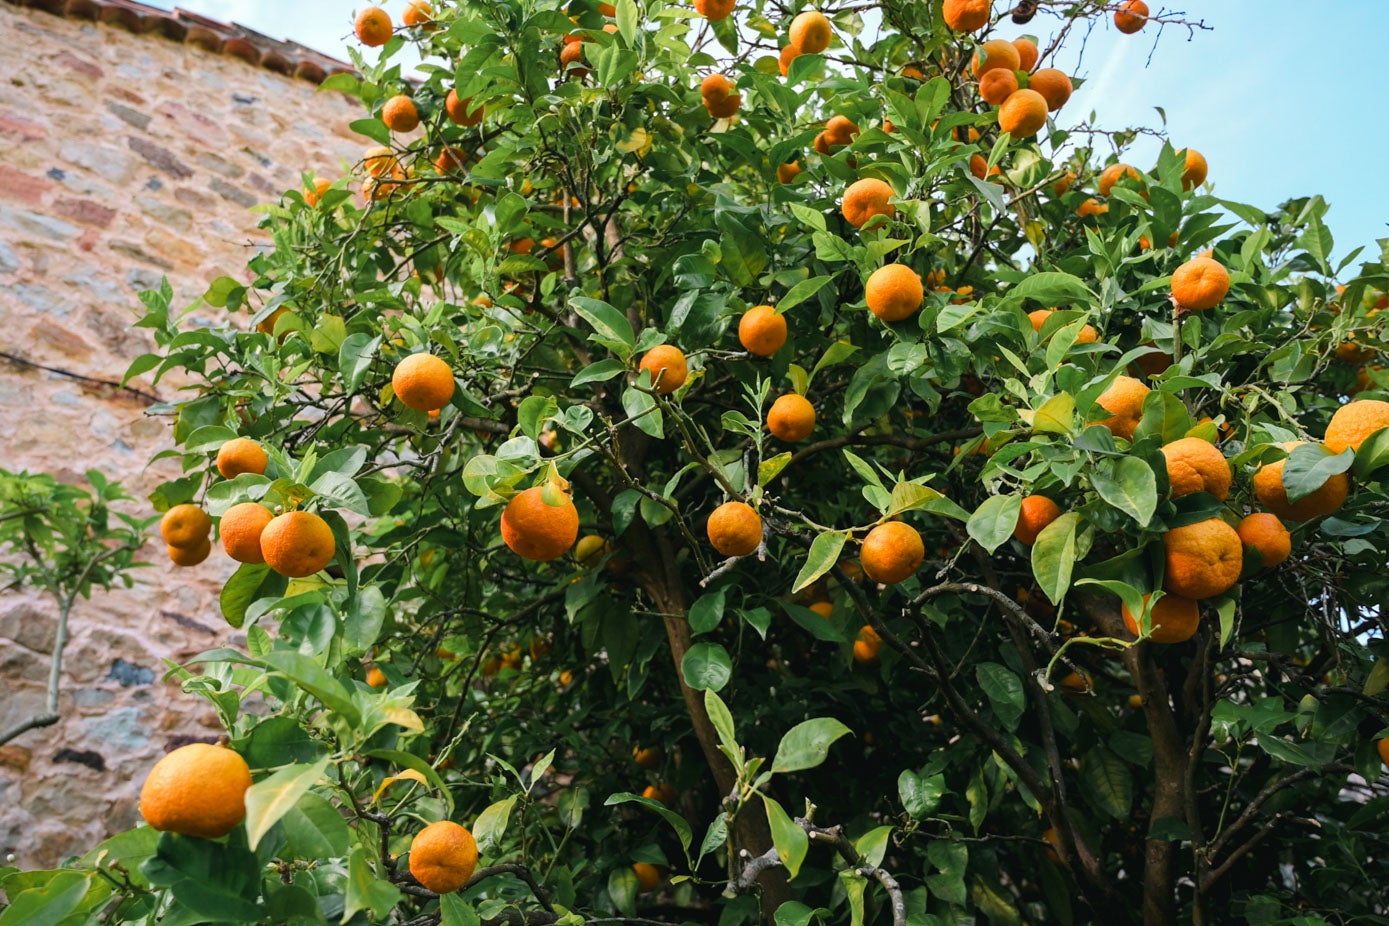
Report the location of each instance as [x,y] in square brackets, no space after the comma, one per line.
[419,13]
[867,644]
[459,112]
[1173,619]
[1036,513]
[1023,113]
[648,876]
[715,88]
[1078,682]
[1054,86]
[1116,172]
[196,790]
[373,27]
[321,185]
[241,529]
[1060,187]
[423,382]
[866,198]
[443,856]
[1131,16]
[1200,284]
[647,756]
[788,54]
[1383,747]
[660,792]
[536,530]
[840,130]
[185,526]
[787,172]
[589,550]
[979,166]
[1027,53]
[823,608]
[892,552]
[1091,206]
[297,544]
[241,455]
[791,418]
[811,32]
[713,10]
[726,108]
[995,54]
[1038,318]
[734,529]
[894,292]
[997,85]
[966,15]
[400,114]
[1355,421]
[762,331]
[1269,489]
[1194,173]
[572,53]
[1265,533]
[380,160]
[1203,559]
[1194,465]
[376,678]
[1124,402]
[451,159]
[190,555]
[667,366]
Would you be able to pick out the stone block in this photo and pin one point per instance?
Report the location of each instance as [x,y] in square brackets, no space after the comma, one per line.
[86,211]
[16,126]
[27,623]
[20,187]
[232,193]
[169,216]
[131,117]
[159,157]
[36,225]
[121,730]
[9,260]
[218,164]
[102,159]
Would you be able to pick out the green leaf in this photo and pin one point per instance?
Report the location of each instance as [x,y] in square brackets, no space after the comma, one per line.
[677,822]
[313,678]
[599,372]
[642,409]
[241,589]
[628,17]
[454,910]
[1226,611]
[1004,691]
[1052,288]
[1129,484]
[374,129]
[491,823]
[872,845]
[1309,466]
[607,322]
[217,881]
[801,292]
[790,840]
[807,744]
[1108,782]
[920,796]
[50,904]
[365,891]
[824,553]
[707,611]
[706,666]
[1378,679]
[769,469]
[1372,455]
[1057,414]
[950,859]
[1054,556]
[354,358]
[271,798]
[721,719]
[314,829]
[994,520]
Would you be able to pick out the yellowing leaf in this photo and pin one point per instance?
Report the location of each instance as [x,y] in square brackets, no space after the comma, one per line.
[406,718]
[638,140]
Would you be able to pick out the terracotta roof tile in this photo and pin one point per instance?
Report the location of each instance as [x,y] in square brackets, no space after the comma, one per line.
[193,29]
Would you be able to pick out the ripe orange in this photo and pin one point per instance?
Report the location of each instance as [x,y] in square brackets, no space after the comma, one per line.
[1265,533]
[791,418]
[321,185]
[1131,16]
[185,526]
[1023,113]
[459,112]
[866,198]
[892,552]
[373,27]
[979,166]
[840,130]
[1038,318]
[762,331]
[190,555]
[1116,172]
[400,114]
[1036,513]
[662,792]
[667,366]
[894,292]
[379,160]
[297,544]
[196,790]
[1269,489]
[1195,172]
[725,109]
[1054,86]
[788,54]
[1124,402]
[1027,53]
[787,172]
[811,32]
[966,15]
[241,455]
[997,85]
[823,608]
[714,10]
[647,756]
[241,529]
[1383,747]
[451,159]
[1091,206]
[715,88]
[1203,559]
[589,550]
[734,529]
[867,644]
[376,678]
[1194,465]
[1060,187]
[995,54]
[1355,421]
[536,530]
[1173,619]
[648,876]
[419,13]
[443,856]
[1200,284]
[423,382]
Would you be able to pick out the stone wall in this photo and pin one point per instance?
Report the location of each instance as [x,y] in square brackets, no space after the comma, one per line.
[125,157]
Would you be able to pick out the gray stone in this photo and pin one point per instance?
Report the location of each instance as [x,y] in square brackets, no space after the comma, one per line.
[9,260]
[42,301]
[120,730]
[29,626]
[130,116]
[34,224]
[160,157]
[128,673]
[231,193]
[109,163]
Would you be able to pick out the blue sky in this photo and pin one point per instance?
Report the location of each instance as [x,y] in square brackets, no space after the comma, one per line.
[1281,96]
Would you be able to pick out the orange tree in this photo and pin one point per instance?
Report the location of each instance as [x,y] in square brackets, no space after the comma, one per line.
[720,468]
